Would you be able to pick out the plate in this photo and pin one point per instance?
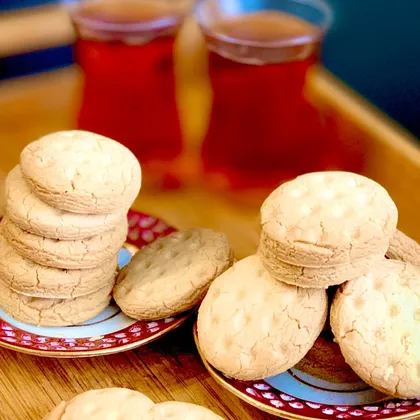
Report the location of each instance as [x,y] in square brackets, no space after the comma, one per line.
[111,331]
[322,386]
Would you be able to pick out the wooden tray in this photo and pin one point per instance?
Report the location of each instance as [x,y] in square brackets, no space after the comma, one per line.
[171,369]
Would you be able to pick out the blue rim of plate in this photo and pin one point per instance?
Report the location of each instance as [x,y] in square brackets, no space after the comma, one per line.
[296,395]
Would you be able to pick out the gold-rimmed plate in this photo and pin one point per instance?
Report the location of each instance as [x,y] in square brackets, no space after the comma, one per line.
[300,394]
[111,331]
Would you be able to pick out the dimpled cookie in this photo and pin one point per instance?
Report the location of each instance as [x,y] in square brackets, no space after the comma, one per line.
[82,172]
[404,248]
[82,254]
[376,321]
[172,274]
[251,326]
[55,312]
[101,404]
[27,211]
[173,410]
[327,219]
[28,278]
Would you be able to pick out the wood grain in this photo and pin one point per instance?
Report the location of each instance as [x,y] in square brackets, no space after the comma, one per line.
[166,370]
[170,368]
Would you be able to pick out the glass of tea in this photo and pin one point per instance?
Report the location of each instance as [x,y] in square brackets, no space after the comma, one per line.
[262,129]
[126,51]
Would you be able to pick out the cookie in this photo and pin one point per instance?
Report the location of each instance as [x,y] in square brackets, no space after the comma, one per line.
[251,326]
[82,172]
[172,274]
[28,278]
[375,320]
[315,277]
[404,248]
[173,410]
[108,403]
[27,211]
[325,361]
[327,219]
[82,254]
[55,312]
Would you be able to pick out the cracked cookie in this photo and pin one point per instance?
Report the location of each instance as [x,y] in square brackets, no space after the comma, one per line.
[55,312]
[403,248]
[251,326]
[86,253]
[125,404]
[323,220]
[375,320]
[173,410]
[115,403]
[81,172]
[25,277]
[172,274]
[27,211]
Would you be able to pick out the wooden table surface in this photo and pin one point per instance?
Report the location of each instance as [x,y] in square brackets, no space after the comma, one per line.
[170,368]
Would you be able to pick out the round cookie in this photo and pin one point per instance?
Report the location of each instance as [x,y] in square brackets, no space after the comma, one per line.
[27,211]
[82,254]
[172,274]
[325,361]
[55,312]
[115,403]
[28,278]
[82,172]
[174,410]
[403,248]
[251,326]
[375,320]
[327,219]
[315,277]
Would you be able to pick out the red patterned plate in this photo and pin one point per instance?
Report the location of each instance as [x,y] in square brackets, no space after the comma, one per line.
[111,331]
[304,394]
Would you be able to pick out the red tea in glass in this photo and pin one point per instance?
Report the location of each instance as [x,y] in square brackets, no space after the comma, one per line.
[126,51]
[262,129]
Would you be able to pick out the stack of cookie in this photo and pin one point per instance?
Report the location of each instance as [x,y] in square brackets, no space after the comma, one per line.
[65,222]
[263,315]
[323,229]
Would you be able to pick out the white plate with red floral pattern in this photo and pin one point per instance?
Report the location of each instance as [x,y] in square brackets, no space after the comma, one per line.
[111,331]
[322,387]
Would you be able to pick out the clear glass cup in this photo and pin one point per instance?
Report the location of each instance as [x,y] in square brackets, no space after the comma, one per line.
[126,51]
[262,128]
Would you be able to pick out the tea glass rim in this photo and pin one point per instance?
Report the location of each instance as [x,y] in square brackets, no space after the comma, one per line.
[321,5]
[162,23]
